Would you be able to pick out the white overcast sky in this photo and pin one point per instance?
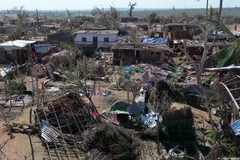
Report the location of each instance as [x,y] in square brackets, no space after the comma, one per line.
[89,4]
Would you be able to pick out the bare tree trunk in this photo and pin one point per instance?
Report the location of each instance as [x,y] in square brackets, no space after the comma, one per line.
[220,11]
[207,9]
[158,138]
[193,64]
[37,92]
[33,91]
[37,18]
[5,89]
[198,69]
[31,145]
[209,114]
[128,91]
[22,96]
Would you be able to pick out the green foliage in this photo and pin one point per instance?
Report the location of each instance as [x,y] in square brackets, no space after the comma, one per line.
[67,47]
[165,102]
[210,134]
[212,13]
[225,57]
[179,92]
[137,122]
[16,88]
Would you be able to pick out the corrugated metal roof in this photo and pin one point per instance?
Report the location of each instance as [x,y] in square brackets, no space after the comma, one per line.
[97,32]
[49,133]
[14,45]
[236,127]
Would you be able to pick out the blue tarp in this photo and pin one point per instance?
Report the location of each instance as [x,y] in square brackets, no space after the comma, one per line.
[154,40]
[128,68]
[42,48]
[236,127]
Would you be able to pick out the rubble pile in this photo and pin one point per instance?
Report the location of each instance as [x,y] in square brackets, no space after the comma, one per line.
[117,143]
[68,113]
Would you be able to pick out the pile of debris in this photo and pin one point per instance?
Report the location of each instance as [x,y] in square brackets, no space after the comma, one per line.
[111,142]
[61,122]
[227,146]
[68,113]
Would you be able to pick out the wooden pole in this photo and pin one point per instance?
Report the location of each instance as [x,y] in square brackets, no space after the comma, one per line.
[31,145]
[158,138]
[22,95]
[128,92]
[6,89]
[33,91]
[37,91]
[30,116]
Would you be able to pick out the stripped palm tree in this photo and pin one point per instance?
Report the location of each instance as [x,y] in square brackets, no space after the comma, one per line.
[227,56]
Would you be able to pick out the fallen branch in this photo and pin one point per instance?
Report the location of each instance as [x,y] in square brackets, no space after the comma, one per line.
[9,127]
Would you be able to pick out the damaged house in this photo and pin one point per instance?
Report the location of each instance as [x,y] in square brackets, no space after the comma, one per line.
[127,54]
[177,31]
[10,19]
[196,48]
[91,40]
[60,36]
[15,51]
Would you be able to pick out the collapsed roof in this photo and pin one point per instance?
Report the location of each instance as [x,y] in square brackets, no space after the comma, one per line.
[139,46]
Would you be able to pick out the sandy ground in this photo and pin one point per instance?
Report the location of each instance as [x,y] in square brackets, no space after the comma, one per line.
[201,118]
[19,148]
[103,102]
[232,27]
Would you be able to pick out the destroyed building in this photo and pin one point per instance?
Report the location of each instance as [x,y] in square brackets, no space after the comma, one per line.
[61,122]
[129,19]
[60,36]
[195,49]
[181,31]
[15,51]
[134,53]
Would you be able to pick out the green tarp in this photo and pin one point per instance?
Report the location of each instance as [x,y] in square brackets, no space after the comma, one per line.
[119,107]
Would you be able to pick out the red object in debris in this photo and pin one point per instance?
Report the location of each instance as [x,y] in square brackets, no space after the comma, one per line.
[220,73]
[34,55]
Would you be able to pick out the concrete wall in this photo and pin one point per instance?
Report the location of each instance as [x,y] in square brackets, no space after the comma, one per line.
[89,36]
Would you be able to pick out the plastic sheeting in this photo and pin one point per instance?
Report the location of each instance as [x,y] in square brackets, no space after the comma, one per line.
[49,133]
[119,107]
[236,127]
[154,40]
[231,67]
[128,69]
